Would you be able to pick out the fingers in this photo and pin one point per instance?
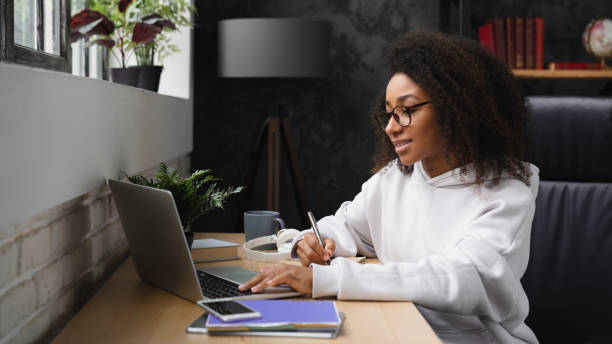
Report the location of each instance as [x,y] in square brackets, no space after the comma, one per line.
[303,259]
[284,277]
[252,282]
[315,246]
[262,284]
[330,246]
[308,255]
[299,278]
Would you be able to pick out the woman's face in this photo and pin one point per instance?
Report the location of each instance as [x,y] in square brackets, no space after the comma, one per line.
[421,140]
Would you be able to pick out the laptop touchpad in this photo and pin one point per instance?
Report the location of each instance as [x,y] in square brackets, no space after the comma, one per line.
[235,274]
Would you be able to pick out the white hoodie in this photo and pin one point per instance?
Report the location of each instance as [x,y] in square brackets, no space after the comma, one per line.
[455,249]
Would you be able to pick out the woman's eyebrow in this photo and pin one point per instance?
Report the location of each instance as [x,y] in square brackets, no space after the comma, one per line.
[401,99]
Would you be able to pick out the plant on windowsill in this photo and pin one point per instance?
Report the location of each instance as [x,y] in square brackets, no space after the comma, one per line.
[110,22]
[150,41]
[194,196]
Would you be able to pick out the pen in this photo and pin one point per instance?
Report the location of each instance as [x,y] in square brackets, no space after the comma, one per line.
[313,223]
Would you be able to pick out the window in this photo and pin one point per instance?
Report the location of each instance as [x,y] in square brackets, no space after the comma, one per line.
[88,60]
[36,33]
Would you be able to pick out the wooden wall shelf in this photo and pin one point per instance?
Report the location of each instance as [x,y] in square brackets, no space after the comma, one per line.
[562,74]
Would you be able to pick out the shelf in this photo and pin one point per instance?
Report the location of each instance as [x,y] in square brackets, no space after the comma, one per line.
[562,74]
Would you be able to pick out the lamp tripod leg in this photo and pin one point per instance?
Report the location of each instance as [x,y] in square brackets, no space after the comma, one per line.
[248,179]
[276,128]
[296,171]
[274,163]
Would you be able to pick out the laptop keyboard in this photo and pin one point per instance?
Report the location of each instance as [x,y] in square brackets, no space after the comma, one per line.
[215,287]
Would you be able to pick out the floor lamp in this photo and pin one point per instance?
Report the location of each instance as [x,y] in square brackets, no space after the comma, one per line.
[274,48]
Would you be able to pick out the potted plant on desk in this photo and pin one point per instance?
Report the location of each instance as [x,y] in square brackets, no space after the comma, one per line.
[194,196]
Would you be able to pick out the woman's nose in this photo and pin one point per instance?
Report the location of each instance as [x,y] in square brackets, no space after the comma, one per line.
[392,127]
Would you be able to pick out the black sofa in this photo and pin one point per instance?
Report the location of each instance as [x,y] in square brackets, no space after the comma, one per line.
[569,276]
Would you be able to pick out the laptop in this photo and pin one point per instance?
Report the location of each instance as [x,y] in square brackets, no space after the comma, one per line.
[161,256]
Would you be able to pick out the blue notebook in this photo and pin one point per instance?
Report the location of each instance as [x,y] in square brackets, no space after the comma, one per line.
[282,314]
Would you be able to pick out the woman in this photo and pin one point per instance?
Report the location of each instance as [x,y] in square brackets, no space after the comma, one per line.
[450,207]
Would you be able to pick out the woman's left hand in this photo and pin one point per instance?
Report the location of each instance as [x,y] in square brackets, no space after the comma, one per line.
[297,277]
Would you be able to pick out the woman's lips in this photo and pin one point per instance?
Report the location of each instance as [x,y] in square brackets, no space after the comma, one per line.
[402,145]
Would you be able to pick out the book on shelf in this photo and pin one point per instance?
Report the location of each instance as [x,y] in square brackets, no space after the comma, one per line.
[574,66]
[510,31]
[486,38]
[210,250]
[519,42]
[539,43]
[529,43]
[499,32]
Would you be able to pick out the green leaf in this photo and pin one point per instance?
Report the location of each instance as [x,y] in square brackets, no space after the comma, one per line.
[194,195]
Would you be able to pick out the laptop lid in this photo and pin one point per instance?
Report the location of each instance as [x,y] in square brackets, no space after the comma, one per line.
[156,239]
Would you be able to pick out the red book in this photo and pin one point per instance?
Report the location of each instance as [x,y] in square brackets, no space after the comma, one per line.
[529,43]
[485,36]
[574,65]
[539,43]
[510,55]
[519,43]
[500,37]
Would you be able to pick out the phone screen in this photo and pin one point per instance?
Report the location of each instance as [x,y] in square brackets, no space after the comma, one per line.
[228,307]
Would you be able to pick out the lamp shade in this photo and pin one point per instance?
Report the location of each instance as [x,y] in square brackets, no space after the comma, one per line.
[273,47]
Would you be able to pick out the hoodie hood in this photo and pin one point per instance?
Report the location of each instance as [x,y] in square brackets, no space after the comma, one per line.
[455,178]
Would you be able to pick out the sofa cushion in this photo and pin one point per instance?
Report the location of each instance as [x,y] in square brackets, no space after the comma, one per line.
[570,138]
[569,277]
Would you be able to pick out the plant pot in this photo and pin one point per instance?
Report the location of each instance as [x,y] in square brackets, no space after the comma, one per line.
[189,237]
[148,78]
[125,76]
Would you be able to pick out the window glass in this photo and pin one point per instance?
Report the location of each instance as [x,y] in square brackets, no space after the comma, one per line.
[25,23]
[51,10]
[87,60]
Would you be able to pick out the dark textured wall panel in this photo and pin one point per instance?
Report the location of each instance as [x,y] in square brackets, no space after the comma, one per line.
[329,116]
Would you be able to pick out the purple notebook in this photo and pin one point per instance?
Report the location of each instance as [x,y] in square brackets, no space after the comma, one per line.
[285,312]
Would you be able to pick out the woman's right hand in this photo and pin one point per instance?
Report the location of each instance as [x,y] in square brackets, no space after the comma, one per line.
[310,251]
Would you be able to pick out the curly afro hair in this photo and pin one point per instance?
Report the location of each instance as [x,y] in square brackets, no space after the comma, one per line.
[479,107]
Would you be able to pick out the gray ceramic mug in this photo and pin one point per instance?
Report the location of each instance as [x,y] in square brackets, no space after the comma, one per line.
[259,223]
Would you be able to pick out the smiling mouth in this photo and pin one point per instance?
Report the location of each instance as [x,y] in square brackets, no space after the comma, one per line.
[402,144]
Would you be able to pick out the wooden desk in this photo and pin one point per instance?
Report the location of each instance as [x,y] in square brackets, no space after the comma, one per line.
[127,310]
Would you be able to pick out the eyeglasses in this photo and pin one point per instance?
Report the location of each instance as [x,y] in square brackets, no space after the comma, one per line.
[401,114]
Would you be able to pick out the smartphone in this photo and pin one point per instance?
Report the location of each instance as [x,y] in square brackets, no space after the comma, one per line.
[229,310]
[199,325]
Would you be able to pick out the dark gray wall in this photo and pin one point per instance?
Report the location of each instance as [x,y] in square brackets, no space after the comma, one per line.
[329,116]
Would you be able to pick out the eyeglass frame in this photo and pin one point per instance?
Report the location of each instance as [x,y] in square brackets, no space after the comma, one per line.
[409,110]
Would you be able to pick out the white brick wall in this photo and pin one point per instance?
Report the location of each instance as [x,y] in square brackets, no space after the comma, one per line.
[16,305]
[35,248]
[9,253]
[54,262]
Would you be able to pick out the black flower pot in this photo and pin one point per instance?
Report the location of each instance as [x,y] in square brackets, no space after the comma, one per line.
[125,76]
[148,78]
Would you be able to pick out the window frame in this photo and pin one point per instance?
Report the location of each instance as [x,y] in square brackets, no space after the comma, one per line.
[11,52]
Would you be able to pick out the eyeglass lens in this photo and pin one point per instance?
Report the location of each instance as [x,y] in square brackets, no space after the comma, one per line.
[400,114]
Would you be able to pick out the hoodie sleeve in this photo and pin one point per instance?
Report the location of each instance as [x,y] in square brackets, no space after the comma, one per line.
[348,227]
[479,276]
